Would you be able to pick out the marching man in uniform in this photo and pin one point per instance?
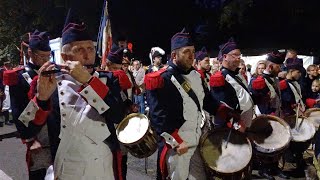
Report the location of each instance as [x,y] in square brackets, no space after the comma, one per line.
[291,99]
[228,87]
[39,133]
[90,105]
[203,64]
[156,55]
[265,90]
[268,84]
[176,98]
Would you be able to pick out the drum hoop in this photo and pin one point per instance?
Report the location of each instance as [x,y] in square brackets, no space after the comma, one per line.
[282,122]
[310,110]
[223,129]
[129,117]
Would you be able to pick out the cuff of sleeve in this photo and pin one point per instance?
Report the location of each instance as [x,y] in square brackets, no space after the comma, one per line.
[94,99]
[222,112]
[33,113]
[41,114]
[176,136]
[99,87]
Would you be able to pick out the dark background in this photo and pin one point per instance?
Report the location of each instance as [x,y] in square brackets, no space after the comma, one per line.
[257,25]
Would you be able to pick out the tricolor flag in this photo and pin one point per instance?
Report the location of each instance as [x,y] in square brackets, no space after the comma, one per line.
[104,41]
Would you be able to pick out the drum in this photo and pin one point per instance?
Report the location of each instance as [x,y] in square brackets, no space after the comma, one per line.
[135,133]
[313,115]
[302,134]
[226,160]
[270,136]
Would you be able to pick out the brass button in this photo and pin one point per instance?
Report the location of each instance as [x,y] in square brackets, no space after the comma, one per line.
[59,83]
[86,92]
[62,93]
[63,114]
[28,113]
[103,124]
[102,109]
[94,100]
[62,103]
[64,126]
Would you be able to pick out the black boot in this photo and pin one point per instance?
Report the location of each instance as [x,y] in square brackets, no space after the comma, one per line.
[281,174]
[265,174]
[6,116]
[124,166]
[9,123]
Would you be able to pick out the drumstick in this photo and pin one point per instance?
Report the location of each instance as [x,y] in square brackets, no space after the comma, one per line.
[228,138]
[233,121]
[303,117]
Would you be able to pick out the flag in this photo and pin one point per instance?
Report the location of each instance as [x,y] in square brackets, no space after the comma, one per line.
[104,41]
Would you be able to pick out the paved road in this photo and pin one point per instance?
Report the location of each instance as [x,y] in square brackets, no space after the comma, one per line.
[13,166]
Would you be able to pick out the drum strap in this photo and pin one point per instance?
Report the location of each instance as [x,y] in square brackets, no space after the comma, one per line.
[186,86]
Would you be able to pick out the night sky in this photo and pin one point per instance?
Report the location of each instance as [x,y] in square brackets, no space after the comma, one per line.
[267,24]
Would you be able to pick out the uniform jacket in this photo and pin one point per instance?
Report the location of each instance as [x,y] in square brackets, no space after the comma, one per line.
[290,97]
[205,76]
[234,92]
[266,93]
[152,68]
[173,111]
[45,128]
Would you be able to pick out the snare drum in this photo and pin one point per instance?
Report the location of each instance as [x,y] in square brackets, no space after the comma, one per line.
[301,136]
[270,136]
[313,115]
[135,133]
[226,162]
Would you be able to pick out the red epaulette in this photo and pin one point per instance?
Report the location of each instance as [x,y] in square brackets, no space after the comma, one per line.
[258,83]
[283,85]
[202,74]
[310,102]
[154,80]
[123,79]
[10,77]
[217,79]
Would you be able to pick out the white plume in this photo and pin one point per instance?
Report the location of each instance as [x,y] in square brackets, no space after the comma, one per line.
[154,49]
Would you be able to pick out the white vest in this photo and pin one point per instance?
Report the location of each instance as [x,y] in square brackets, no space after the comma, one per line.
[245,100]
[190,131]
[82,154]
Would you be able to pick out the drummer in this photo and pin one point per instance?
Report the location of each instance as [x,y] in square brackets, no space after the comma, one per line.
[228,87]
[114,65]
[265,87]
[176,98]
[265,90]
[291,97]
[203,65]
[290,89]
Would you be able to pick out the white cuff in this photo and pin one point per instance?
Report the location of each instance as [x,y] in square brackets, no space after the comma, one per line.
[29,113]
[94,99]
